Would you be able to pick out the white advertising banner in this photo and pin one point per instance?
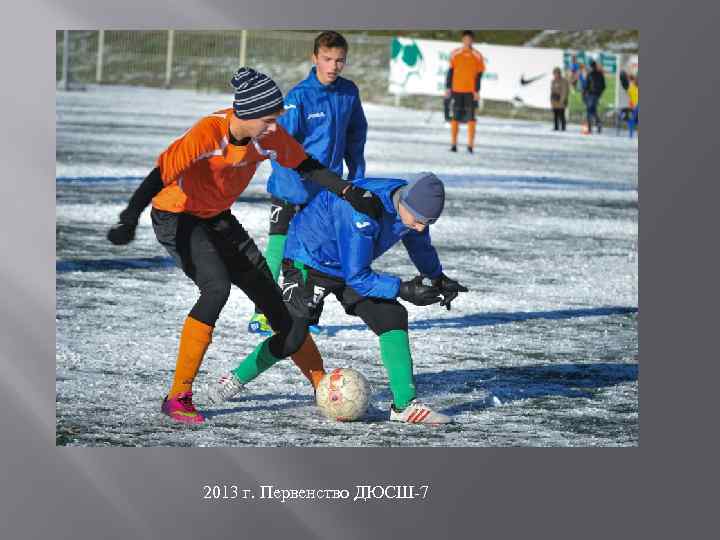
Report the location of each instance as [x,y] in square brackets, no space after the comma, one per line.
[518,74]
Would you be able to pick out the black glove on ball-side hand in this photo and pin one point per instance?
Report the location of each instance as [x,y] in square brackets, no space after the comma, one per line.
[122,233]
[416,292]
[449,289]
[364,201]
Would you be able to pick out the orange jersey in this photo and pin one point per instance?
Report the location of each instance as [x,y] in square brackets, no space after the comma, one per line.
[466,65]
[204,174]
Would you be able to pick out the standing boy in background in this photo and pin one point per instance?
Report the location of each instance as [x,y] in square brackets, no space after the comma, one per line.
[325,115]
[463,86]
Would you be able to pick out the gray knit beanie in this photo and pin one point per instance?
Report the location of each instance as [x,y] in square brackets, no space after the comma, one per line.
[424,197]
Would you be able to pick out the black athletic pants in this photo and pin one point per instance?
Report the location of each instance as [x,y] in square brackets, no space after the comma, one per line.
[217,252]
[305,289]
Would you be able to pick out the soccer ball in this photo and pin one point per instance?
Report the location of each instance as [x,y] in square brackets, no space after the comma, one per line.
[343,395]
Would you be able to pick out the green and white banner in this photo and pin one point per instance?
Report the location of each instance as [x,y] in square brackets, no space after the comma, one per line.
[520,75]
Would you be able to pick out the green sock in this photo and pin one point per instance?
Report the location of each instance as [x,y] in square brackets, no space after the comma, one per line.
[274,253]
[395,354]
[255,363]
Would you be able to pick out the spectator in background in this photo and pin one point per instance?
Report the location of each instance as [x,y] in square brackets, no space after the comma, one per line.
[463,87]
[581,80]
[633,91]
[559,90]
[574,71]
[594,88]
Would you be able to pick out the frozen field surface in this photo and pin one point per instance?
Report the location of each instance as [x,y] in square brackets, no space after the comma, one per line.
[541,226]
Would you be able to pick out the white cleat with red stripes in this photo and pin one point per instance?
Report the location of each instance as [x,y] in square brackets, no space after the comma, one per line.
[416,413]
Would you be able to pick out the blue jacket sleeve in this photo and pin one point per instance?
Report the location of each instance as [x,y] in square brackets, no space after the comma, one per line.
[422,253]
[356,235]
[355,142]
[292,121]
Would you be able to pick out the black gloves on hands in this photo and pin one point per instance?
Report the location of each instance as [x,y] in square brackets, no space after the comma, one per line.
[416,292]
[448,288]
[122,233]
[365,202]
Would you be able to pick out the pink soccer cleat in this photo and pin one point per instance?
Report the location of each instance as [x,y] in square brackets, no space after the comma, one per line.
[181,409]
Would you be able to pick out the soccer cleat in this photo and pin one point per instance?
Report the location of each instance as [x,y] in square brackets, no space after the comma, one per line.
[181,409]
[314,329]
[259,325]
[453,148]
[416,413]
[470,149]
[227,387]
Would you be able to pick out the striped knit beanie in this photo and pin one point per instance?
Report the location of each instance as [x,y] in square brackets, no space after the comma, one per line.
[256,94]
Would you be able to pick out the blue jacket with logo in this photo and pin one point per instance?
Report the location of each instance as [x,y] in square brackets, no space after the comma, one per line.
[330,236]
[328,120]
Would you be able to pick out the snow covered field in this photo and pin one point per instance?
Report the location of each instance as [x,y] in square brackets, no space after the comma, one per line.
[542,226]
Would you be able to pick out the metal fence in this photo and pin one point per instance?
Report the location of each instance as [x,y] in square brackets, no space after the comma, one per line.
[205,60]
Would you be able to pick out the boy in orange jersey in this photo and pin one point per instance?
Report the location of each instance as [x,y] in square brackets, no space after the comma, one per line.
[463,87]
[193,186]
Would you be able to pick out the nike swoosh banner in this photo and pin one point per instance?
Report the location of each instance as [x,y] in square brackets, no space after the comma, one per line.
[419,66]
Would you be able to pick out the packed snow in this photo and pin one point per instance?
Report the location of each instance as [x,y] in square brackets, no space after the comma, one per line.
[542,226]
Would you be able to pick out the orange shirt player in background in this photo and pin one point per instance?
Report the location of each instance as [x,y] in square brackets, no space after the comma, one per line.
[193,186]
[463,87]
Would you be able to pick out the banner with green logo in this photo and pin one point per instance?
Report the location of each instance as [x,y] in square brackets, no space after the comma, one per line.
[521,75]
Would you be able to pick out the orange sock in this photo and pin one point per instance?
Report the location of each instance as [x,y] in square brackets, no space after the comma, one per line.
[309,361]
[454,128]
[471,133]
[194,341]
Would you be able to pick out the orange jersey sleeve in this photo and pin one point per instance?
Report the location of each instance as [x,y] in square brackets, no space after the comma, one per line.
[199,142]
[288,152]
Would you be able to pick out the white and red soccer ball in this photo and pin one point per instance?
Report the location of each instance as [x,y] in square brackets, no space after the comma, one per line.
[343,395]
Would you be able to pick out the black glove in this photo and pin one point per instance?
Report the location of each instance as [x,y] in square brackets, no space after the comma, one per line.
[448,288]
[365,202]
[416,292]
[122,233]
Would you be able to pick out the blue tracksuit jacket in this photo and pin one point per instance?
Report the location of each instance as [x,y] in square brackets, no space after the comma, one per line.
[328,120]
[330,236]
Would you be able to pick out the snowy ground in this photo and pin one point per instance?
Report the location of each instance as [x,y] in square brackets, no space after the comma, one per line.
[541,226]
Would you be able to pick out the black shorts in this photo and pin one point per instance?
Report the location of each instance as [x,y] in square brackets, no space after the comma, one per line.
[281,213]
[304,291]
[463,106]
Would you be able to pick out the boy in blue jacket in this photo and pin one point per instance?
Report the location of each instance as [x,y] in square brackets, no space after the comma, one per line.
[323,113]
[330,249]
